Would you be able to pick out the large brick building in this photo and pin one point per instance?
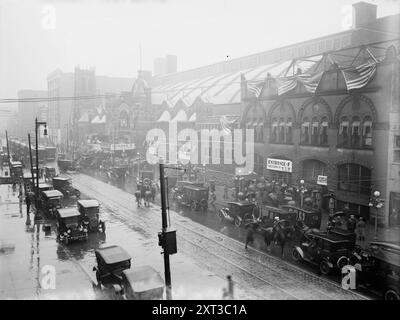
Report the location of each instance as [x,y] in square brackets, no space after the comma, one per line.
[350,137]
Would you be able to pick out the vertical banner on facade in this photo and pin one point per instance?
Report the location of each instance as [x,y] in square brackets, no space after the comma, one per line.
[279,165]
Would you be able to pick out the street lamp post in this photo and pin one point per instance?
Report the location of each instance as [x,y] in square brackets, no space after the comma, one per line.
[37,125]
[302,190]
[377,203]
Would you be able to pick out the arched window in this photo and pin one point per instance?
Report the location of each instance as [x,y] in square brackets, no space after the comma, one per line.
[305,131]
[355,132]
[359,115]
[354,178]
[289,131]
[343,138]
[324,132]
[314,131]
[367,131]
[281,138]
[274,130]
[281,124]
[123,120]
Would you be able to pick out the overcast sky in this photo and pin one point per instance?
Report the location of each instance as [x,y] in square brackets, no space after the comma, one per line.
[38,36]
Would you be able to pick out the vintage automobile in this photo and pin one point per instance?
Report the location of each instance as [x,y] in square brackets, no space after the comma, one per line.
[64,185]
[194,197]
[111,261]
[268,214]
[147,174]
[65,165]
[16,169]
[310,218]
[49,173]
[50,202]
[241,213]
[116,278]
[339,218]
[89,210]
[69,226]
[378,268]
[327,251]
[142,283]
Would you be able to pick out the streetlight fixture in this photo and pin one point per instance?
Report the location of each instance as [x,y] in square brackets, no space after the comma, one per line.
[37,126]
[377,203]
[302,191]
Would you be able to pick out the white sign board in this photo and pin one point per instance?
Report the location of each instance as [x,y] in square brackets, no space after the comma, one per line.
[279,165]
[322,180]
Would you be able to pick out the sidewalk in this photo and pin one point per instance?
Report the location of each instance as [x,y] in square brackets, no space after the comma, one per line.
[384,234]
[25,250]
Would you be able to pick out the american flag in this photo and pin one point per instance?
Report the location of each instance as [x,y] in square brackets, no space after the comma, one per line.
[255,87]
[310,82]
[359,76]
[286,84]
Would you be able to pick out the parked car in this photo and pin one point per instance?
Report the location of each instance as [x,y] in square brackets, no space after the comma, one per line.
[116,278]
[65,165]
[378,268]
[325,250]
[241,213]
[69,226]
[50,202]
[89,210]
[64,185]
[142,283]
[194,197]
[49,173]
[310,218]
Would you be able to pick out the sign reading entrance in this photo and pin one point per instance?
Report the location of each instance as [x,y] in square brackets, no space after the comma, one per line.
[322,180]
[279,165]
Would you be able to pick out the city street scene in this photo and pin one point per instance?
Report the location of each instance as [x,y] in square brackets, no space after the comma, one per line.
[200,150]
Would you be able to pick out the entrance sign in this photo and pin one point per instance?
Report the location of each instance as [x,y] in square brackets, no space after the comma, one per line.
[279,165]
[322,180]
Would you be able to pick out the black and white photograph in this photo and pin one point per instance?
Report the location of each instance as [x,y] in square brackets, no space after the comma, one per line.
[218,151]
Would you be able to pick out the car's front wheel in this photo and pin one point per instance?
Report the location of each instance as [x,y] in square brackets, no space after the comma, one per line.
[296,255]
[238,221]
[342,261]
[391,295]
[324,267]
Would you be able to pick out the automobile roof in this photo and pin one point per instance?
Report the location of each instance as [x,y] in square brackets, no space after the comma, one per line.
[88,203]
[294,207]
[143,278]
[61,178]
[68,212]
[113,254]
[241,203]
[43,185]
[52,194]
[193,187]
[390,252]
[329,237]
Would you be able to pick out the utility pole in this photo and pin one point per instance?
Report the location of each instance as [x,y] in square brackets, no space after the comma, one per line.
[30,157]
[37,125]
[8,153]
[167,238]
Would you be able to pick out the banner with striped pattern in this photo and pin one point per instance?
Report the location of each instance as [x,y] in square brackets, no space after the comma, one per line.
[359,76]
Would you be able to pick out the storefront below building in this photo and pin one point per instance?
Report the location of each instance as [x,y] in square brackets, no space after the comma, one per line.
[362,210]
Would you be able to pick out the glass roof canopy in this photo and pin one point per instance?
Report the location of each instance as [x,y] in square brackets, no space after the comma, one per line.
[225,88]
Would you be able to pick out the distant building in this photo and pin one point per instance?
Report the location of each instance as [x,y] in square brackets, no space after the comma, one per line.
[28,111]
[67,117]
